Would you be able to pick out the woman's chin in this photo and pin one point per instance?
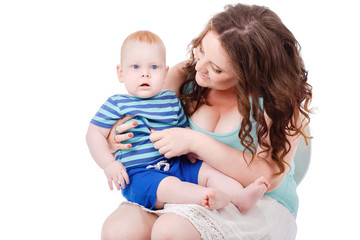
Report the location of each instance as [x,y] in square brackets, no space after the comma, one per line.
[200,81]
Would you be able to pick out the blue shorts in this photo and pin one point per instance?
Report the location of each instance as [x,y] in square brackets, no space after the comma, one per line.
[144,182]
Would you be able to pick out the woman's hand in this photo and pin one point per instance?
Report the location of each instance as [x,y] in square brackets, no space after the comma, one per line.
[172,142]
[116,173]
[114,140]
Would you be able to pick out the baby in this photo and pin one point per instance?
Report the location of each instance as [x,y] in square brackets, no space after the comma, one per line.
[146,176]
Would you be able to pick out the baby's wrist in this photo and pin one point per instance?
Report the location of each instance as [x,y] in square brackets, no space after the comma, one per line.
[195,141]
[108,163]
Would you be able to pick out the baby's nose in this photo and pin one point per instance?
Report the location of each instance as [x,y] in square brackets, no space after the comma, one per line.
[145,75]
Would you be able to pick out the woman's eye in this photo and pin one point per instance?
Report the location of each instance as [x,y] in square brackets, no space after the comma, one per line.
[200,49]
[154,67]
[216,70]
[135,66]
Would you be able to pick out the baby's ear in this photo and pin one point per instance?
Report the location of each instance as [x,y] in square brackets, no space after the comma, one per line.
[119,73]
[166,71]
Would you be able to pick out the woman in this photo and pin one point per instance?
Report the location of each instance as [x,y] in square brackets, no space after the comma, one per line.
[246,94]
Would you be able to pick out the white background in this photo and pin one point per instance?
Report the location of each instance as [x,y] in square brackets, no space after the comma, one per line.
[57,66]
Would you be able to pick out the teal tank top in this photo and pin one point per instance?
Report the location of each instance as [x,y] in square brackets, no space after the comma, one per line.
[286,192]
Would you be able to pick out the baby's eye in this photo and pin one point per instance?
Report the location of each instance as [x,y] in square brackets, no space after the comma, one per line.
[135,66]
[154,67]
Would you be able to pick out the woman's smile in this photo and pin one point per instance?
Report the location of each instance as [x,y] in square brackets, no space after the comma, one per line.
[203,76]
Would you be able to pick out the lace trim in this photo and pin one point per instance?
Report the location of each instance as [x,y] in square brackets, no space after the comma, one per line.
[200,218]
[208,228]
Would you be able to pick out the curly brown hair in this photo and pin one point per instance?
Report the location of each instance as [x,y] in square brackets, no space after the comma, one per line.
[266,59]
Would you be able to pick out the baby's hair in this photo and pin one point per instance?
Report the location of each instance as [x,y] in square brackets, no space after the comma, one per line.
[145,37]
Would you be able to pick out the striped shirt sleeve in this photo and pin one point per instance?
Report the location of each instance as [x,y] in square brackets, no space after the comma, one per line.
[108,113]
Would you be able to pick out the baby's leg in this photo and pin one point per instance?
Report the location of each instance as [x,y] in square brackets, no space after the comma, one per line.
[243,198]
[251,194]
[173,190]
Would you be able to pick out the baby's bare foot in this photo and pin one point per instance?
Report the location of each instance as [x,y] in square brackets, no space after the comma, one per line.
[252,193]
[215,199]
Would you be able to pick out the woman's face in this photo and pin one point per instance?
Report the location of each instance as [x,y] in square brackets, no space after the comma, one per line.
[213,67]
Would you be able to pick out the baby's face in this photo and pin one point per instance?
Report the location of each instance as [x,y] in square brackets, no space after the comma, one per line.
[143,69]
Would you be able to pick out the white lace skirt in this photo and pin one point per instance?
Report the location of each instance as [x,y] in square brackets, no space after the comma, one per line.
[267,220]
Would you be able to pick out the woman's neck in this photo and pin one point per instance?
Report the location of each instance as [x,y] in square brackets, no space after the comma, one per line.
[222,97]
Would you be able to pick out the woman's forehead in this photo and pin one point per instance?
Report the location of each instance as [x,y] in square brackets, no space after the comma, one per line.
[214,51]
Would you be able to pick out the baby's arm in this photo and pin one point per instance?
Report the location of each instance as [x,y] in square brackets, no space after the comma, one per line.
[99,150]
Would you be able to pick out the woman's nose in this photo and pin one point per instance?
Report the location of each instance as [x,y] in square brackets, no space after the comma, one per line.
[200,60]
[200,64]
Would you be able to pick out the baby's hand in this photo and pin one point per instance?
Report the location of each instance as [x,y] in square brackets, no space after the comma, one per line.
[172,142]
[192,157]
[116,173]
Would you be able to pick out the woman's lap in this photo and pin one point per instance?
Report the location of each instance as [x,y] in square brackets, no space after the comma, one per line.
[128,221]
[281,221]
[267,220]
[175,227]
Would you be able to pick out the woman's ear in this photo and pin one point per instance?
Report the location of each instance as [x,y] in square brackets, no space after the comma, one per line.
[119,73]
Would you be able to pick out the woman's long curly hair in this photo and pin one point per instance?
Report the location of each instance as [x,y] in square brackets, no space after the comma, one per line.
[266,59]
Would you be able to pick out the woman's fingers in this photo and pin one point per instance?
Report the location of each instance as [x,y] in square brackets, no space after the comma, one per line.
[118,139]
[120,146]
[125,126]
[123,137]
[115,140]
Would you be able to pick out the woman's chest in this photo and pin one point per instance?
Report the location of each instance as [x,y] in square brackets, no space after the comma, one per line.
[217,119]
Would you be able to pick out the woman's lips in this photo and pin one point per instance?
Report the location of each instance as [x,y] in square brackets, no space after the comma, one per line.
[203,76]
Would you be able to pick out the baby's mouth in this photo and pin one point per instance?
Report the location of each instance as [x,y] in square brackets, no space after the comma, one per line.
[144,85]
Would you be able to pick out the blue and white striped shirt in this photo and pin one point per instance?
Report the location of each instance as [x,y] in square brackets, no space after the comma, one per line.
[159,112]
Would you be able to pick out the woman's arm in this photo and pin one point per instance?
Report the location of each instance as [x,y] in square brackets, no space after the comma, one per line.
[230,161]
[176,77]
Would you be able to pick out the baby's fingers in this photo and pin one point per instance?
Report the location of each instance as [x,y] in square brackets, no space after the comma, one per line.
[192,157]
[110,183]
[125,176]
[120,183]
